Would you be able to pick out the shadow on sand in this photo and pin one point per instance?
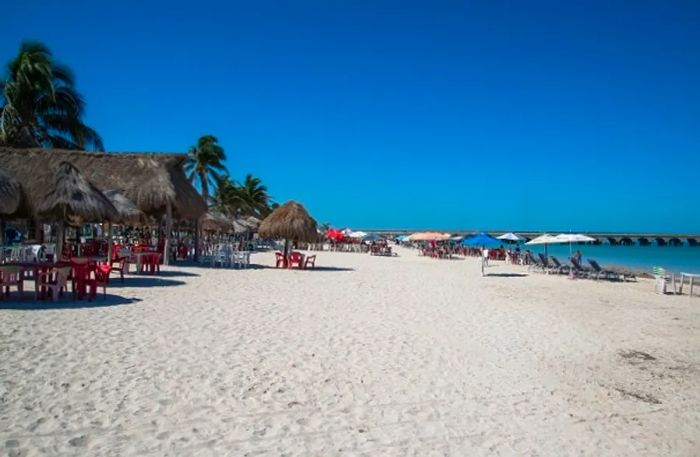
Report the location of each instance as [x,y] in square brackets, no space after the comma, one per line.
[170,274]
[144,281]
[67,302]
[507,275]
[255,266]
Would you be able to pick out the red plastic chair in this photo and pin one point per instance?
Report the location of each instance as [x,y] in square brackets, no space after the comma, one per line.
[280,260]
[295,259]
[81,269]
[99,278]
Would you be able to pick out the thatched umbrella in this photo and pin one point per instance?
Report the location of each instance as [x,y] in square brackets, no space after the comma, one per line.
[71,195]
[239,226]
[10,196]
[214,221]
[128,213]
[290,222]
[252,222]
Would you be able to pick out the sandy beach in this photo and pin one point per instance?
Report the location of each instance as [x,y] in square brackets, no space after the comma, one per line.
[364,356]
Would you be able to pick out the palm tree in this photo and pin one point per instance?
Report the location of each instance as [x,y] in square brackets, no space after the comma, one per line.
[227,198]
[39,106]
[254,194]
[205,163]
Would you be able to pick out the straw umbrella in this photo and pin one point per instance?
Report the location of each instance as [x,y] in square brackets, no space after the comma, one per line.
[290,222]
[214,221]
[127,211]
[71,195]
[10,196]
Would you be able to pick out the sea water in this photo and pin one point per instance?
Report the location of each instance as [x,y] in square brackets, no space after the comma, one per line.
[639,258]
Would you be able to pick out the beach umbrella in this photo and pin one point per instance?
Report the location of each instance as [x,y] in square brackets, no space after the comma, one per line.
[482,239]
[335,235]
[10,193]
[373,237]
[357,235]
[127,212]
[510,236]
[214,221]
[252,222]
[429,236]
[573,238]
[456,238]
[239,226]
[544,239]
[10,197]
[290,222]
[71,195]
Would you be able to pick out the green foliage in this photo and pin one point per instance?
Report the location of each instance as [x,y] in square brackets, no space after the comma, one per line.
[205,163]
[39,106]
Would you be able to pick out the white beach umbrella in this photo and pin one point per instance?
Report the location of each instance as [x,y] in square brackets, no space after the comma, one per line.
[510,236]
[544,239]
[358,234]
[573,238]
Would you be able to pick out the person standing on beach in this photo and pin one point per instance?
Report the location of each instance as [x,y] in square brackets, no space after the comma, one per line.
[484,259]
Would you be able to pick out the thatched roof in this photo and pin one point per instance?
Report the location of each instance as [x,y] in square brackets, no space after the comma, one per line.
[290,222]
[149,180]
[73,195]
[127,210]
[10,193]
[215,221]
[252,222]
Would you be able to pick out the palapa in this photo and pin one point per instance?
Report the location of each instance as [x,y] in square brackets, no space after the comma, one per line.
[290,222]
[10,193]
[71,195]
[127,211]
[152,181]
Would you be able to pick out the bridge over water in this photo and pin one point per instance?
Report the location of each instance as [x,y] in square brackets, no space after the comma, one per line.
[611,238]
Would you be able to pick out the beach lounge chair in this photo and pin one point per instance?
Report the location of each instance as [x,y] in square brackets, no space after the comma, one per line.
[663,278]
[310,261]
[545,263]
[558,266]
[55,280]
[599,272]
[578,269]
[10,276]
[534,264]
[280,260]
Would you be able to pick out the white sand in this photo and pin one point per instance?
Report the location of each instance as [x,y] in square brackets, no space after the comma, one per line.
[394,356]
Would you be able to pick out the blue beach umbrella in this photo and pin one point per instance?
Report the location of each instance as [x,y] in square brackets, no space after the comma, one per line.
[482,239]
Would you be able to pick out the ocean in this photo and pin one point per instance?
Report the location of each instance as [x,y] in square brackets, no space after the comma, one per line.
[638,258]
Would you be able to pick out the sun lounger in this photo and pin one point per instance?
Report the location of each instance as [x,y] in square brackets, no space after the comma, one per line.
[580,270]
[599,272]
[558,266]
[535,264]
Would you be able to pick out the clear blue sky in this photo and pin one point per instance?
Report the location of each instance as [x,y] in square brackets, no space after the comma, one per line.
[559,115]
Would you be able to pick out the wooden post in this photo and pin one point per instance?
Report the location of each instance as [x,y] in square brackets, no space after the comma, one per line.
[58,255]
[196,240]
[168,229]
[109,243]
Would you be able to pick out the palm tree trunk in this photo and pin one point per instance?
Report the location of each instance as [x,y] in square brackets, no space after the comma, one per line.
[205,188]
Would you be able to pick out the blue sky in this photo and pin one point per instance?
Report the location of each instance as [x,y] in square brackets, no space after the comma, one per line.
[448,115]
